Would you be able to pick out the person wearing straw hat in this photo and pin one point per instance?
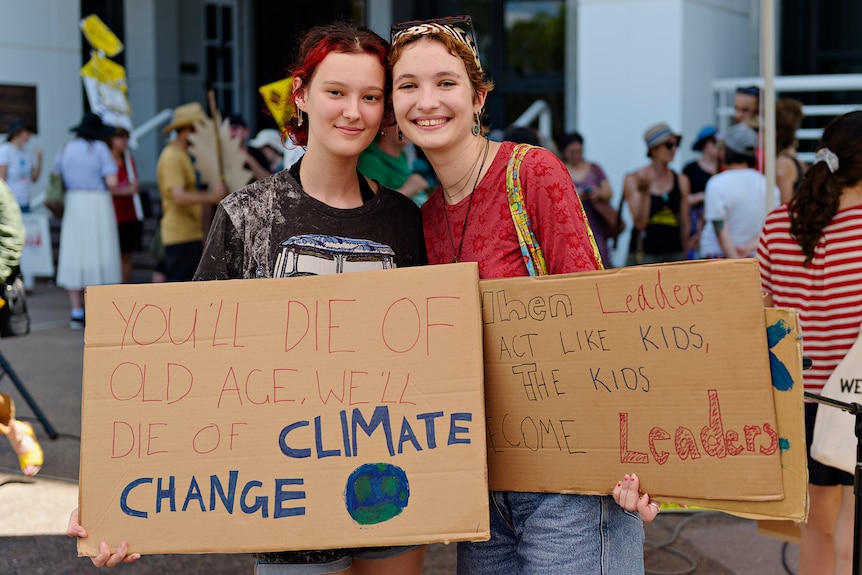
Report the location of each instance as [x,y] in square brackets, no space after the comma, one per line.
[181,230]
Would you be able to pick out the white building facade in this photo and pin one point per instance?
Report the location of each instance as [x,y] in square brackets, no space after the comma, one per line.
[625,64]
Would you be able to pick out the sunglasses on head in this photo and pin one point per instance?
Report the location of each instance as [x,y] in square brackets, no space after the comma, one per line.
[750,90]
[459,27]
[465,22]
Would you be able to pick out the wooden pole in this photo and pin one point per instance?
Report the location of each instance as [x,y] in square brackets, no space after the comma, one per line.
[767,27]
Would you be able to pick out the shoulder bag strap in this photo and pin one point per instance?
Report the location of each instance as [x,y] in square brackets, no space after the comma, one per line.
[530,249]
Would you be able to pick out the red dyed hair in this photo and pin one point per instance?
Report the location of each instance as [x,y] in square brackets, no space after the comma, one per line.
[317,44]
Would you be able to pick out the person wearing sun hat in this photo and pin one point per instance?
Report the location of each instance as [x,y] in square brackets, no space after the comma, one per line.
[89,244]
[180,227]
[699,171]
[658,201]
[659,134]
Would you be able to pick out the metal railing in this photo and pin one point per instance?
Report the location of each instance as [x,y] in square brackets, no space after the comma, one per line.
[538,111]
[725,88]
[161,118]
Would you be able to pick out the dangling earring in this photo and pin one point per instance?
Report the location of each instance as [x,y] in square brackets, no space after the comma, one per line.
[298,115]
[476,128]
[400,135]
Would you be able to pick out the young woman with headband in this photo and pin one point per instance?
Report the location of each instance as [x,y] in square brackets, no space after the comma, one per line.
[439,91]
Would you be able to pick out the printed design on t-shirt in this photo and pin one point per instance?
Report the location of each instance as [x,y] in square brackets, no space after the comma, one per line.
[318,254]
[375,492]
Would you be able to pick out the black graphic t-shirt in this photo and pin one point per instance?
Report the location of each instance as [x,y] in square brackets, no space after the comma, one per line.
[272,228]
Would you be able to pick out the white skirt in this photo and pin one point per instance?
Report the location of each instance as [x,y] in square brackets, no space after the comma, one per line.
[89,243]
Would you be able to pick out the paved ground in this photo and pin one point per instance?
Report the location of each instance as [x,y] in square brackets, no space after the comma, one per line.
[34,512]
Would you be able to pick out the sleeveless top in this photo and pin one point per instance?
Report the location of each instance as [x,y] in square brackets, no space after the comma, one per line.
[662,232]
[799,171]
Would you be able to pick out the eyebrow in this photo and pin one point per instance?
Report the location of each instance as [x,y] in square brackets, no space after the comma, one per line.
[340,84]
[438,75]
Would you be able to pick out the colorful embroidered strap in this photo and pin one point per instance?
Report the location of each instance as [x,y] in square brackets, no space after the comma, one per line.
[530,249]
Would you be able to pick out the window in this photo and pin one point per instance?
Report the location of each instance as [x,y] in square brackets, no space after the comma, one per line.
[221,52]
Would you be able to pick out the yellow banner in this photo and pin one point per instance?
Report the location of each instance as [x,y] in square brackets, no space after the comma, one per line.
[105,71]
[277,98]
[100,36]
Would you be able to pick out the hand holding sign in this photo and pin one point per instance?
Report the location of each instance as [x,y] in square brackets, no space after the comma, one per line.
[105,558]
[298,413]
[627,495]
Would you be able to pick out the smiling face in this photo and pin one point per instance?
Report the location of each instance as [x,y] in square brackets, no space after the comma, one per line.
[434,101]
[344,103]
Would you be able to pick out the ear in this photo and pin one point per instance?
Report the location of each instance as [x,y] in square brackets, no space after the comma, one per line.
[298,94]
[479,101]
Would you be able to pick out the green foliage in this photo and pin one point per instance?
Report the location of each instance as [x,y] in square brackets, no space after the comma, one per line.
[537,46]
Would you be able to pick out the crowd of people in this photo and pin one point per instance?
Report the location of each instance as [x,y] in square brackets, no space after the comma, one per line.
[386,128]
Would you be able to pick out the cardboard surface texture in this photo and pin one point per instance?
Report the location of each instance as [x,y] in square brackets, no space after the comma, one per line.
[302,413]
[658,370]
[785,346]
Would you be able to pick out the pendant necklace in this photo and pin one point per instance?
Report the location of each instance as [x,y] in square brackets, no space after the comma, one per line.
[469,205]
[463,179]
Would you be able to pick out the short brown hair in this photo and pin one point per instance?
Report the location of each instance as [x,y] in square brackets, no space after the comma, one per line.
[478,80]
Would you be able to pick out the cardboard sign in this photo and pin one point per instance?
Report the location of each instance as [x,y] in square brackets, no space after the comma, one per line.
[218,159]
[284,414]
[658,370]
[785,349]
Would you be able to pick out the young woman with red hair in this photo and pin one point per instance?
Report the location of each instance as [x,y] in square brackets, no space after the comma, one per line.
[340,94]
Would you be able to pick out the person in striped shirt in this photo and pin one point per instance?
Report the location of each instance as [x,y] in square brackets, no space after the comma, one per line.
[810,253]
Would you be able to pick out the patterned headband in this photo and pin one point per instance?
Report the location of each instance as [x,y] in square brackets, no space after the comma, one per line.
[439,26]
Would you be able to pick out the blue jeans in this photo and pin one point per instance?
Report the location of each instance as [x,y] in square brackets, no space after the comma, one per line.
[556,534]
